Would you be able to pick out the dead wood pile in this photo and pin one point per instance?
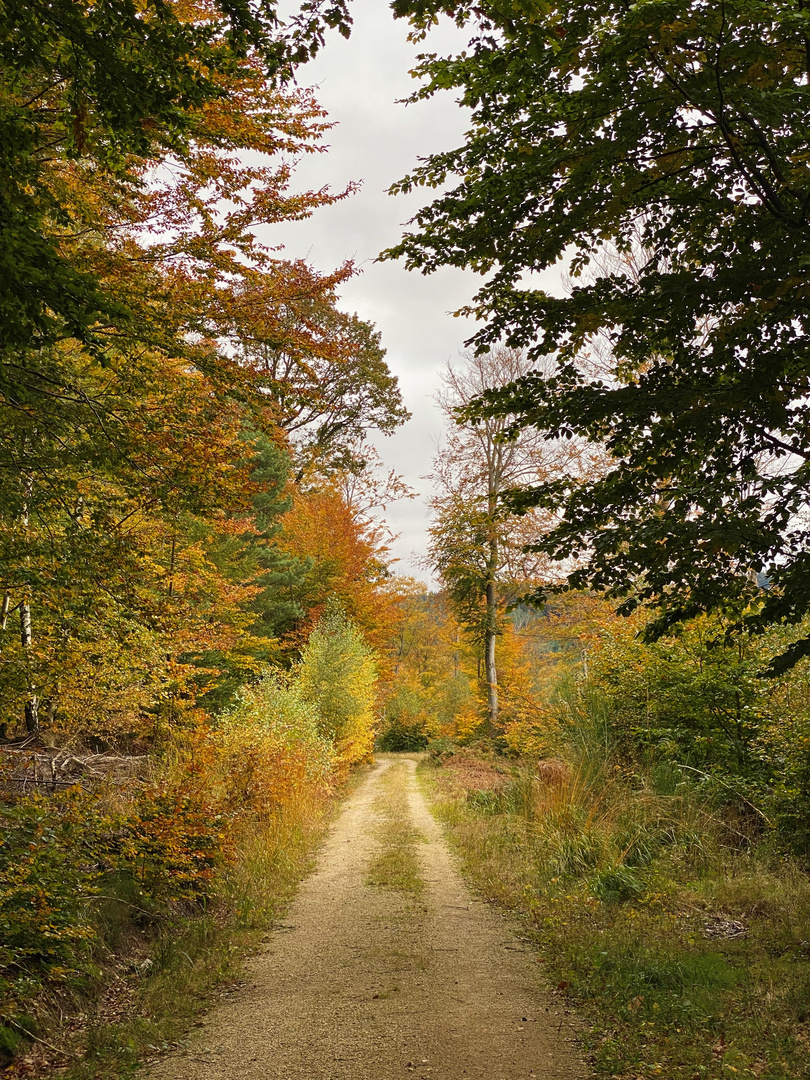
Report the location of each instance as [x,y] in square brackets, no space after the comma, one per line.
[26,768]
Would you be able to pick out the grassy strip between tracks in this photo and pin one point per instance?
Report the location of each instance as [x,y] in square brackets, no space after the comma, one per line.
[396,864]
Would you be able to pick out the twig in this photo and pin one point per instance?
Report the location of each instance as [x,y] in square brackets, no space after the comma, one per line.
[38,781]
[722,783]
[36,1038]
[126,903]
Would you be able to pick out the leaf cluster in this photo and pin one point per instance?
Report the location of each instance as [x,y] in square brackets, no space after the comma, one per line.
[673,135]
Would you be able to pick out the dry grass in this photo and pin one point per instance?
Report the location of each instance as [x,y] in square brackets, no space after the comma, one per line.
[162,975]
[472,772]
[620,885]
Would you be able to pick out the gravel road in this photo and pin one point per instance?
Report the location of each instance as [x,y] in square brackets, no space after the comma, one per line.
[370,983]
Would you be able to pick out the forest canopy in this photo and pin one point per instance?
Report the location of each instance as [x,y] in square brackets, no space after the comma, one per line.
[163,373]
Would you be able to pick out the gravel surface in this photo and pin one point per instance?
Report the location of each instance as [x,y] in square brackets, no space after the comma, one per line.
[367,983]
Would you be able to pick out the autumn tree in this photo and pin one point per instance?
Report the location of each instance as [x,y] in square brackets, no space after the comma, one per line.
[126,477]
[688,122]
[328,400]
[345,552]
[429,669]
[97,532]
[112,85]
[338,671]
[477,546]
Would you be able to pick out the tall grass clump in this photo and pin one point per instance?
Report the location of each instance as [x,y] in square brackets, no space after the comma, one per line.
[594,823]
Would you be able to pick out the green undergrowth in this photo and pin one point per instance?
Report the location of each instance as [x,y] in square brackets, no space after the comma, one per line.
[395,865]
[634,898]
[198,951]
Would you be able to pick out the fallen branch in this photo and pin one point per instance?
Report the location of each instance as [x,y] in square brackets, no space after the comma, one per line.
[722,783]
[30,1035]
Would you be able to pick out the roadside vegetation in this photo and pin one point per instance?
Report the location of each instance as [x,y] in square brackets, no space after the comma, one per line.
[125,904]
[168,969]
[651,847]
[201,634]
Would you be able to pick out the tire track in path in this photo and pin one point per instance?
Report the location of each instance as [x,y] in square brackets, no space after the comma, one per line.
[369,983]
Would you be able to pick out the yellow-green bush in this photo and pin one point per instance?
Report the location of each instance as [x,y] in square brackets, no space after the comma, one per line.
[338,672]
[271,752]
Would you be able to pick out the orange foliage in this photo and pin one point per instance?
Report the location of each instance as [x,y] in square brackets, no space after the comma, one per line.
[144,471]
[261,776]
[347,560]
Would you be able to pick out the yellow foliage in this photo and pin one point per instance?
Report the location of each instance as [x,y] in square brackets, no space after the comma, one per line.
[532,734]
[338,674]
[466,723]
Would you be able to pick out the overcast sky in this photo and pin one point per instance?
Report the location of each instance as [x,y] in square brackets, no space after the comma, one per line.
[377,141]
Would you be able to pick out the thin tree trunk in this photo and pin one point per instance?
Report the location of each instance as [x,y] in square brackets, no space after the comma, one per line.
[490,669]
[26,639]
[171,564]
[31,711]
[490,591]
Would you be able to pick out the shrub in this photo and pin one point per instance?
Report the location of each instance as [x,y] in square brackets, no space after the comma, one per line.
[271,751]
[172,839]
[400,737]
[441,749]
[614,884]
[409,721]
[338,673]
[48,875]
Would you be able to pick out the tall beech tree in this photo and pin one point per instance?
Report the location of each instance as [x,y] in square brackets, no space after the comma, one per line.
[683,125]
[326,400]
[477,545]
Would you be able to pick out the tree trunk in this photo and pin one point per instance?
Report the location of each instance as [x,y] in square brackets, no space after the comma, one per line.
[171,564]
[490,591]
[26,639]
[31,709]
[490,670]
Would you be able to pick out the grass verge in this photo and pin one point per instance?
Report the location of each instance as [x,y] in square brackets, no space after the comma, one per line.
[689,960]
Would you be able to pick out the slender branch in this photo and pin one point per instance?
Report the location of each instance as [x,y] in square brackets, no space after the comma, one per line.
[30,1035]
[722,783]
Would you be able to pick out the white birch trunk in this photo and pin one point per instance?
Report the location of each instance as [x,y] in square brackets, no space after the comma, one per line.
[26,635]
[27,640]
[490,634]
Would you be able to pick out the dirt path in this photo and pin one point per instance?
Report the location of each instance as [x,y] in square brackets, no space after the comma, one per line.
[382,982]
